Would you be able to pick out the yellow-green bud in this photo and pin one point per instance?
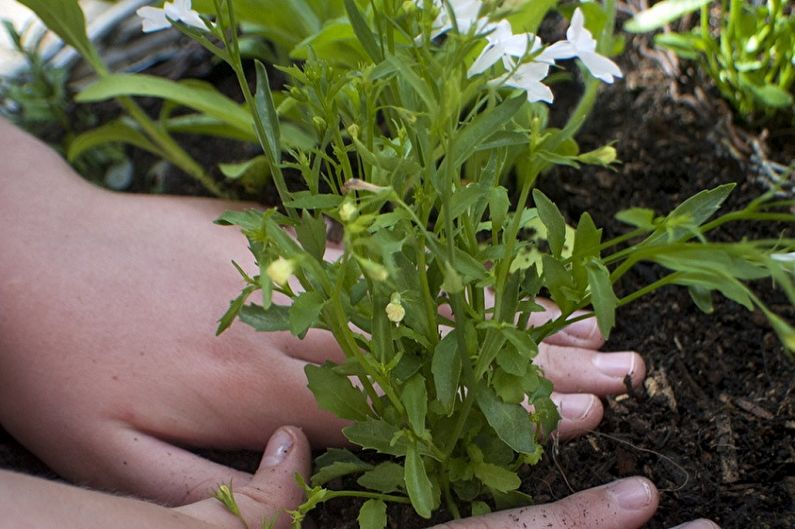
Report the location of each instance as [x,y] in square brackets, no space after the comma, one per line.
[601,156]
[320,123]
[353,130]
[394,310]
[348,211]
[280,271]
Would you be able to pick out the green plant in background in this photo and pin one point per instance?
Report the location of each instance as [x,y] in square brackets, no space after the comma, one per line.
[406,147]
[746,47]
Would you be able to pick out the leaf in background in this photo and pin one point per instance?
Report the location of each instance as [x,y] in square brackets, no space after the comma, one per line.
[267,122]
[237,171]
[386,477]
[113,132]
[771,96]
[603,298]
[372,515]
[363,32]
[309,200]
[662,13]
[193,94]
[496,477]
[66,19]
[275,318]
[415,398]
[335,393]
[305,312]
[446,369]
[375,434]
[553,220]
[510,421]
[482,128]
[418,485]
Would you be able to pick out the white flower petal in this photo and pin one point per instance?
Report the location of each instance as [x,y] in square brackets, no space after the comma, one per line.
[528,77]
[181,10]
[153,19]
[783,257]
[580,37]
[486,59]
[600,67]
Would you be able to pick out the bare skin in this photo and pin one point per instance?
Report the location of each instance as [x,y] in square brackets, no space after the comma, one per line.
[108,363]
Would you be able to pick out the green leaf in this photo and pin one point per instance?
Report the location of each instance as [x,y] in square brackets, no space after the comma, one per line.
[446,369]
[305,312]
[267,119]
[386,477]
[363,32]
[234,308]
[274,318]
[511,361]
[198,96]
[522,340]
[257,165]
[696,210]
[560,283]
[337,470]
[554,222]
[415,398]
[662,13]
[335,393]
[479,508]
[113,132]
[311,233]
[638,217]
[481,128]
[309,200]
[496,477]
[509,421]
[771,96]
[508,387]
[418,485]
[545,414]
[65,18]
[702,297]
[372,515]
[603,298]
[375,434]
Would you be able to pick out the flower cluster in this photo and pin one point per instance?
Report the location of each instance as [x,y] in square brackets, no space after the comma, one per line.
[506,46]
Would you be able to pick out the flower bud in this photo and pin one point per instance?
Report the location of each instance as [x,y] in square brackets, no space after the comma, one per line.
[394,310]
[280,271]
[348,211]
[353,130]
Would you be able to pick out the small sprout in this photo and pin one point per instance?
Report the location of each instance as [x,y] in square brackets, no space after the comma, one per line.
[280,271]
[394,310]
[356,184]
[320,124]
[225,496]
[348,211]
[353,130]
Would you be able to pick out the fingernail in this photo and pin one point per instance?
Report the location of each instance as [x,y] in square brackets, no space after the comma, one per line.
[278,447]
[583,329]
[698,524]
[631,493]
[615,364]
[576,407]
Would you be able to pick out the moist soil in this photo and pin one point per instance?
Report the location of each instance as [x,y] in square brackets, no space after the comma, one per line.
[714,425]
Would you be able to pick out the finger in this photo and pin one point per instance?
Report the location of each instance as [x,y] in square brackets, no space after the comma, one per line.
[579,413]
[148,467]
[271,492]
[698,524]
[579,370]
[583,333]
[623,504]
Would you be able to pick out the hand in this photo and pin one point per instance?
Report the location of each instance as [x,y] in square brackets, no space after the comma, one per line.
[109,365]
[31,502]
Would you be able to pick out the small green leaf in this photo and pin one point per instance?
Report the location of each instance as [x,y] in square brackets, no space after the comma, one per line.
[234,308]
[335,393]
[510,421]
[415,398]
[375,434]
[771,96]
[267,122]
[309,200]
[363,32]
[497,477]
[274,318]
[481,128]
[418,485]
[638,217]
[553,220]
[702,297]
[512,361]
[446,369]
[236,171]
[386,477]
[337,470]
[522,340]
[305,312]
[372,515]
[311,233]
[508,387]
[118,131]
[662,13]
[603,298]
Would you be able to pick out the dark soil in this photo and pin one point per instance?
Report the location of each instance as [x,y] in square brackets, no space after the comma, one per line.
[714,426]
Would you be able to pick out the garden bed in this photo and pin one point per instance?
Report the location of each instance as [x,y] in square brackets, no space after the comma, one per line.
[714,427]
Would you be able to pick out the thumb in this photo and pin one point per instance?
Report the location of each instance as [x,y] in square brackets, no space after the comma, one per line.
[270,493]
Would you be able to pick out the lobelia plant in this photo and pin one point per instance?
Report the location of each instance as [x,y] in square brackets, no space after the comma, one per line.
[746,48]
[431,295]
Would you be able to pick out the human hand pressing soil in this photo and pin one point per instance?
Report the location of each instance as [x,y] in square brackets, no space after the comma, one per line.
[32,502]
[109,368]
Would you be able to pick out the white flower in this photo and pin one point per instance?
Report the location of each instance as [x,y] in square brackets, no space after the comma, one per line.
[280,270]
[580,43]
[466,15]
[528,77]
[503,44]
[155,19]
[783,257]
